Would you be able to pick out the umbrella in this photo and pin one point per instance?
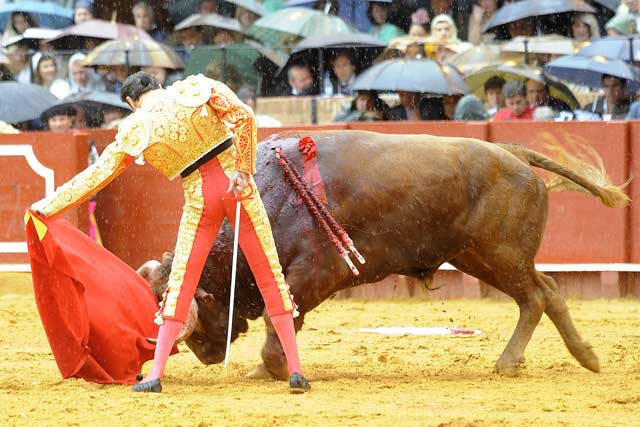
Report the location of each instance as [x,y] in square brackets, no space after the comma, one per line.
[242,56]
[286,26]
[363,49]
[552,44]
[96,99]
[483,56]
[210,20]
[23,101]
[99,29]
[589,71]
[33,35]
[251,5]
[412,75]
[557,89]
[615,47]
[609,4]
[134,53]
[529,8]
[46,14]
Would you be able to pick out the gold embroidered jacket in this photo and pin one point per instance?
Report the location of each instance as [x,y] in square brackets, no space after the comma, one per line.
[171,130]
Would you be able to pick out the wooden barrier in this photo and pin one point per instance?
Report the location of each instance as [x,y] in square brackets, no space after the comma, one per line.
[138,214]
[31,166]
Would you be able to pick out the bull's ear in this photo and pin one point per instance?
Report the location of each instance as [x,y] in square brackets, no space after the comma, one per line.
[204,297]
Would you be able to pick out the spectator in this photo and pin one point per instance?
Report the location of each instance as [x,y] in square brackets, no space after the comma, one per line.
[301,80]
[493,94]
[419,23]
[634,111]
[112,116]
[189,38]
[458,10]
[584,27]
[19,65]
[482,11]
[164,76]
[616,101]
[83,11]
[378,14]
[248,96]
[449,103]
[59,118]
[144,18]
[230,75]
[526,27]
[432,108]
[18,24]
[208,6]
[345,72]
[246,17]
[81,77]
[46,75]
[517,107]
[538,95]
[114,76]
[470,108]
[224,36]
[444,31]
[366,106]
[621,25]
[631,8]
[409,108]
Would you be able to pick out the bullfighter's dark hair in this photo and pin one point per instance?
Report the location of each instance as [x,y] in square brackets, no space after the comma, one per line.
[137,84]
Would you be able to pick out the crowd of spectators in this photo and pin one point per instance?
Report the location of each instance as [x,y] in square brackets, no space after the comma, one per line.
[451,27]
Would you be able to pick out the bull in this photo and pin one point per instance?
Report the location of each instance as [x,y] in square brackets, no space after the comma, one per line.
[410,203]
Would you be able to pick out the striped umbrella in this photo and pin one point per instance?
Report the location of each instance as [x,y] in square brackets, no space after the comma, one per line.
[287,26]
[134,53]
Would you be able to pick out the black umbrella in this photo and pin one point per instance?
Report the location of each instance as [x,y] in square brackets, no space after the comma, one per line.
[317,50]
[23,101]
[589,71]
[530,8]
[615,47]
[412,75]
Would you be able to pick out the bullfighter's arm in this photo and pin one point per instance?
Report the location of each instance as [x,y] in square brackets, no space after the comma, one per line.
[235,112]
[78,189]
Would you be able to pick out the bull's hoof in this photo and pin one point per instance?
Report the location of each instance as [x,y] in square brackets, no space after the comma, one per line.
[584,354]
[509,368]
[261,373]
[298,384]
[153,386]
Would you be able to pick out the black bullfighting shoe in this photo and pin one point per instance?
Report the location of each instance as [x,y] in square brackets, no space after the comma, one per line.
[153,386]
[298,384]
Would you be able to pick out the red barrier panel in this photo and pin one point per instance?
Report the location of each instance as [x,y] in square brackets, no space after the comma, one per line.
[580,229]
[32,164]
[634,190]
[463,129]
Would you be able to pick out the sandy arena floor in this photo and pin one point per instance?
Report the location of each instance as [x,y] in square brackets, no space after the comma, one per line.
[358,378]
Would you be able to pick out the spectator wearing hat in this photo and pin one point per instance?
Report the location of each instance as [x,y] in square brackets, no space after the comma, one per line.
[83,11]
[59,118]
[584,27]
[517,107]
[621,25]
[470,108]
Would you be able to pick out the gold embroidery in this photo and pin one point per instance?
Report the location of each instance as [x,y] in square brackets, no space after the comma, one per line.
[260,222]
[191,215]
[109,165]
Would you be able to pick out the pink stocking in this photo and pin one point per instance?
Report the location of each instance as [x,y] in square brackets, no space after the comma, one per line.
[283,324]
[167,335]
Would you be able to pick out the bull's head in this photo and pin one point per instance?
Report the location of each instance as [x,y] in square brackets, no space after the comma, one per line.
[157,275]
[209,338]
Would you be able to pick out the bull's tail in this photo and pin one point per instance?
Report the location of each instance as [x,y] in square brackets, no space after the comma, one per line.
[577,172]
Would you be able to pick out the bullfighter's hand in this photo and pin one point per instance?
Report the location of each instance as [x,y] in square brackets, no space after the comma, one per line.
[238,182]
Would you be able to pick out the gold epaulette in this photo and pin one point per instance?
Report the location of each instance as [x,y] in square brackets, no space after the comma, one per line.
[193,91]
[133,134]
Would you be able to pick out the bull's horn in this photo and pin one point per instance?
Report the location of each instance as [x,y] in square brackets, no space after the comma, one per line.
[189,325]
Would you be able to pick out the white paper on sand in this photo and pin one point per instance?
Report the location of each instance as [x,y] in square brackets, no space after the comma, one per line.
[412,330]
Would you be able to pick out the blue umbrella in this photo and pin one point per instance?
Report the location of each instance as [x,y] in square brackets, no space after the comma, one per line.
[412,75]
[48,15]
[615,47]
[23,101]
[531,8]
[587,71]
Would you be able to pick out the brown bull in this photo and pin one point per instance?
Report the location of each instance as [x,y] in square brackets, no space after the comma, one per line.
[410,203]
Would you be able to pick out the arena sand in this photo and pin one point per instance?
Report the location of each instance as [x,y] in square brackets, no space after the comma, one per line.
[358,378]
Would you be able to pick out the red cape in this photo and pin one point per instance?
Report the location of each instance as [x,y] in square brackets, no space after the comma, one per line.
[96,310]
